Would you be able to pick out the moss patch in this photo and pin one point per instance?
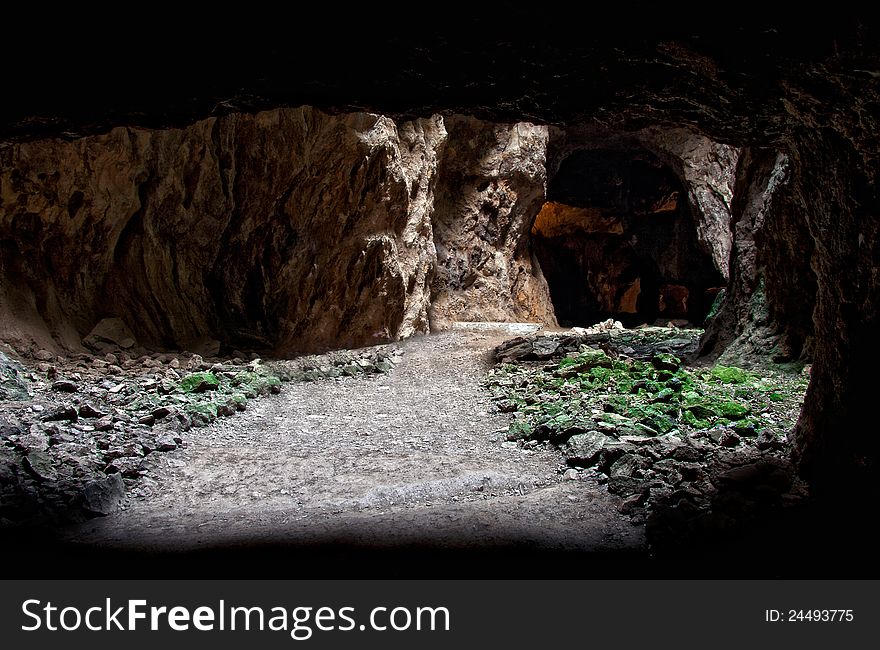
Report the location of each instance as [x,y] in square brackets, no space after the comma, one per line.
[658,395]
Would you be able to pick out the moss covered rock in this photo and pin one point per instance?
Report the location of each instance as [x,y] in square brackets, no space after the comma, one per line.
[199,382]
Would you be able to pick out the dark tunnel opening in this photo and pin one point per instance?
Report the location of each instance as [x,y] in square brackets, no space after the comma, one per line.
[616,239]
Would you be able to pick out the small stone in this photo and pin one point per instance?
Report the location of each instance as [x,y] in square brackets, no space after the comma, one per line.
[729,439]
[109,332]
[686,454]
[174,363]
[509,444]
[624,485]
[627,465]
[127,466]
[65,386]
[89,411]
[384,366]
[195,363]
[571,475]
[166,442]
[43,355]
[148,420]
[161,412]
[104,496]
[583,449]
[666,361]
[745,431]
[632,503]
[62,413]
[39,465]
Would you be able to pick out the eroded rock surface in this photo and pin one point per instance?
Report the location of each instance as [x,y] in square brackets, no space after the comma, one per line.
[289,230]
[491,185]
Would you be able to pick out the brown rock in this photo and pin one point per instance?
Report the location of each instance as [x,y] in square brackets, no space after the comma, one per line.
[490,187]
[289,229]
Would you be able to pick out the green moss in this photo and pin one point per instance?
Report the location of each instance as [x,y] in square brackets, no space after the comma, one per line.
[732,410]
[616,404]
[697,423]
[207,410]
[701,410]
[199,381]
[519,430]
[776,397]
[253,383]
[731,374]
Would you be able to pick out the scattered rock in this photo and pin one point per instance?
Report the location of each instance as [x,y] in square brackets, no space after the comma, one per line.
[666,361]
[62,413]
[104,496]
[65,386]
[729,439]
[628,465]
[199,382]
[583,449]
[40,466]
[89,411]
[161,412]
[13,385]
[43,355]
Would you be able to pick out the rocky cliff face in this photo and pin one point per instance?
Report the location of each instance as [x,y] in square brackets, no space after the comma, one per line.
[286,230]
[491,185]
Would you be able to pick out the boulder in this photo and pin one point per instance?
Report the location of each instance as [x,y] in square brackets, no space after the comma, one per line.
[109,333]
[104,496]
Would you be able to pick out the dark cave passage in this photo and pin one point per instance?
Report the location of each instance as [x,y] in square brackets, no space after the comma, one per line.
[616,239]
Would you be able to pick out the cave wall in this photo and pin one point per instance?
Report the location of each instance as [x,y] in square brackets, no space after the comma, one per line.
[836,443]
[491,184]
[287,230]
[767,311]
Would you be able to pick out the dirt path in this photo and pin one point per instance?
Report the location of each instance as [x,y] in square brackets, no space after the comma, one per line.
[410,458]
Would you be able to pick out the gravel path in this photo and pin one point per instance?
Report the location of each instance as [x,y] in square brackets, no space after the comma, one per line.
[414,457]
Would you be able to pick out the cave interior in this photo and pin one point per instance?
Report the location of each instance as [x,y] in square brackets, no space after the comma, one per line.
[615,239]
[616,231]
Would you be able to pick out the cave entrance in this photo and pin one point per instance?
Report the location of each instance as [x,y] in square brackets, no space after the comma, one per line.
[616,239]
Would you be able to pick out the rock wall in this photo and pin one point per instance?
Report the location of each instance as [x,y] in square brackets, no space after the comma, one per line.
[743,331]
[836,196]
[492,183]
[287,230]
